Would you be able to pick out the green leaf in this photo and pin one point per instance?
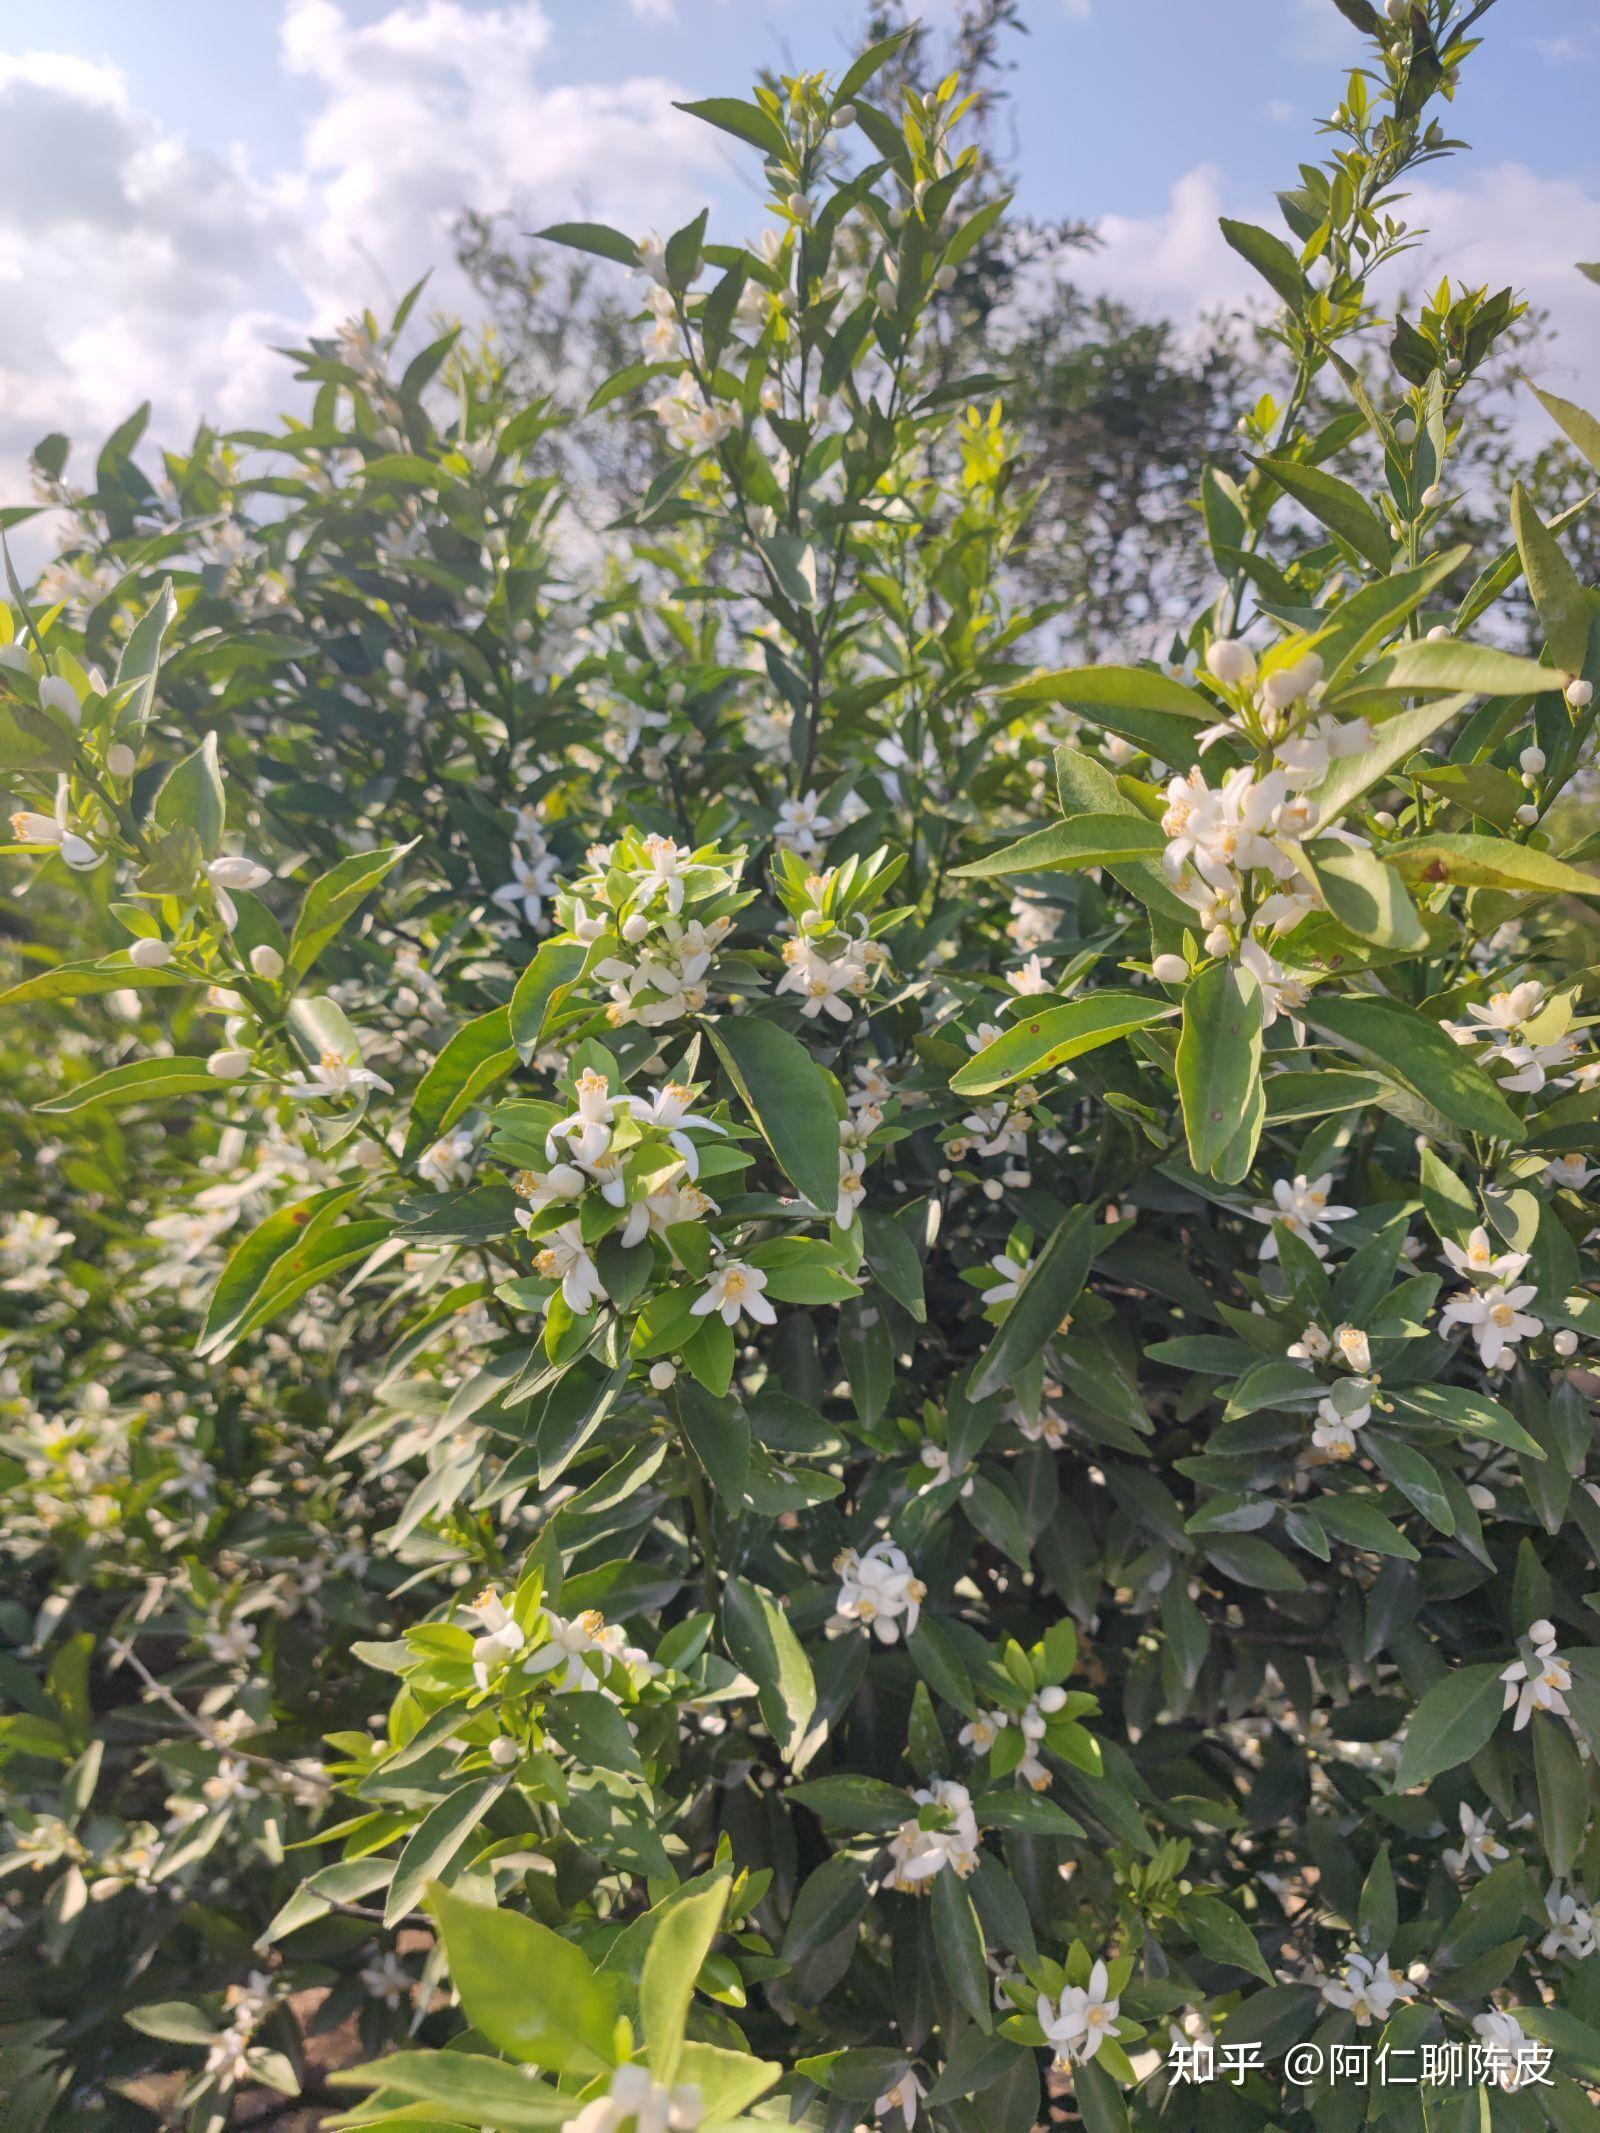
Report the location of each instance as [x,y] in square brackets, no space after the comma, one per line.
[535,1996]
[1448,664]
[191,797]
[335,897]
[1050,1289]
[77,981]
[1451,1723]
[1558,595]
[540,991]
[437,1841]
[1491,863]
[1354,1520]
[787,1095]
[746,122]
[866,64]
[678,1949]
[1222,1936]
[252,1263]
[719,1432]
[1219,1070]
[465,2088]
[476,1057]
[1472,1412]
[849,1802]
[1395,740]
[139,667]
[1366,896]
[1410,1049]
[1271,258]
[1339,507]
[1580,426]
[763,1642]
[958,1937]
[829,1903]
[140,1081]
[1068,847]
[595,237]
[1563,1793]
[1139,703]
[1038,1043]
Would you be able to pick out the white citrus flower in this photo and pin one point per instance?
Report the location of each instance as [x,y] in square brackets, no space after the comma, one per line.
[736,1288]
[919,1854]
[1480,1262]
[1480,1847]
[1541,1686]
[1496,1317]
[564,1258]
[1368,1989]
[878,1591]
[1078,2023]
[1301,1204]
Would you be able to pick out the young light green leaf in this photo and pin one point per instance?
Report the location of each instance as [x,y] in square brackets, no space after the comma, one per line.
[438,1841]
[1558,595]
[535,1996]
[678,1949]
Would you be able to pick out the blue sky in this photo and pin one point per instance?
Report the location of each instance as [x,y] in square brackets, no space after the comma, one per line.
[184,183]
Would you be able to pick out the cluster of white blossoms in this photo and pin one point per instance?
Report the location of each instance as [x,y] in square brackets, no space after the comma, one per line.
[659,911]
[1077,2023]
[1219,836]
[535,872]
[948,1837]
[637,2101]
[1524,1036]
[802,827]
[831,967]
[30,1244]
[638,1155]
[692,422]
[580,1655]
[1539,1682]
[1032,1722]
[1368,1988]
[878,1591]
[1347,1406]
[1572,1929]
[1494,1306]
[855,1132]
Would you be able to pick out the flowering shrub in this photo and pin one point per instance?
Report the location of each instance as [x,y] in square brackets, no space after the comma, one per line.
[760,1366]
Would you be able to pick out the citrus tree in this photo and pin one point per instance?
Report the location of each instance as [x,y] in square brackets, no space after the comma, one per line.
[761,1367]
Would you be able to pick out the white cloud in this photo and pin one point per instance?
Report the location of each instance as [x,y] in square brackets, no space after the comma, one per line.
[1503,225]
[134,264]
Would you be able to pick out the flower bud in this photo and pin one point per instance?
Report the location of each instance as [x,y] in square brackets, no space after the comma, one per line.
[1566,1342]
[228,1065]
[844,114]
[1439,634]
[1383,819]
[663,1375]
[1432,495]
[150,954]
[1580,694]
[1542,1632]
[1405,430]
[1527,815]
[1397,10]
[58,695]
[504,1752]
[1217,942]
[121,760]
[1050,1700]
[1169,969]
[266,962]
[635,928]
[1452,368]
[1230,662]
[1532,760]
